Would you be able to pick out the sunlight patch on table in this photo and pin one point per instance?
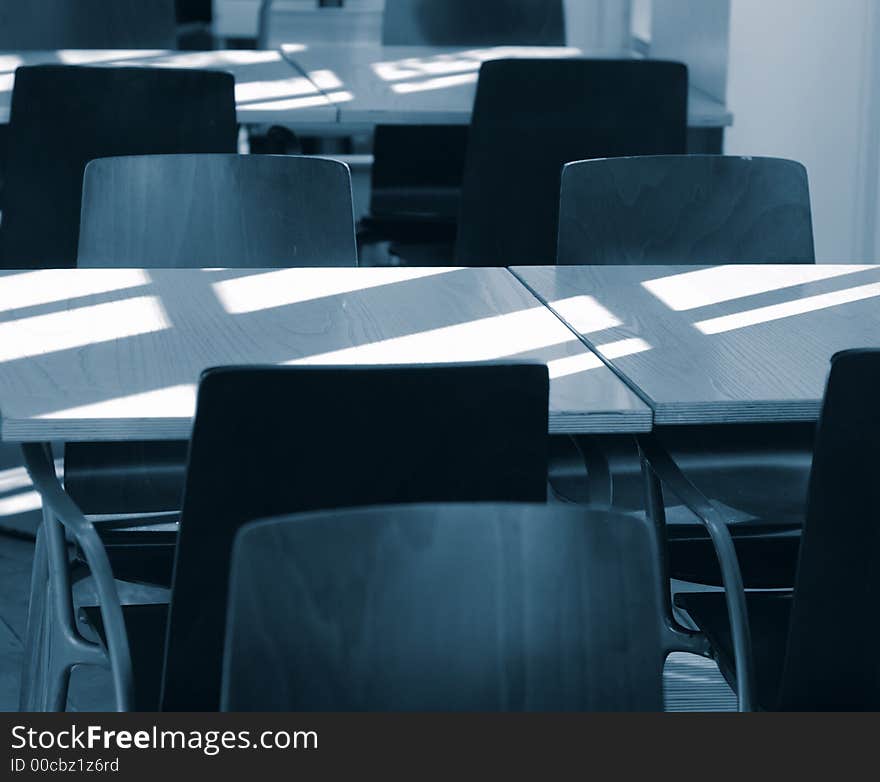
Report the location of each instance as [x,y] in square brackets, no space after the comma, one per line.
[282,287]
[584,314]
[25,502]
[694,289]
[48,286]
[484,339]
[442,83]
[169,402]
[95,56]
[788,309]
[77,328]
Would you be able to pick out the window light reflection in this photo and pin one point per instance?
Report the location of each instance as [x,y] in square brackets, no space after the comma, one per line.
[48,286]
[170,402]
[703,287]
[25,502]
[42,334]
[406,88]
[9,62]
[275,88]
[484,339]
[788,309]
[584,314]
[464,61]
[94,56]
[282,287]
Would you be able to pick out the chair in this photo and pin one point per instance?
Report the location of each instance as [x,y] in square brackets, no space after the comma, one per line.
[704,210]
[104,112]
[465,23]
[447,608]
[418,170]
[189,11]
[272,441]
[185,211]
[253,211]
[816,647]
[693,209]
[82,24]
[531,117]
[87,24]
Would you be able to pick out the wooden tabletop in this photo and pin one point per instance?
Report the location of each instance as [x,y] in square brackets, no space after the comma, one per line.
[728,344]
[116,354]
[422,85]
[268,87]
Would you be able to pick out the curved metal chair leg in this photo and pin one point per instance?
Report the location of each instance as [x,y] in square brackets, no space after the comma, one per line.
[65,647]
[657,461]
[598,470]
[34,642]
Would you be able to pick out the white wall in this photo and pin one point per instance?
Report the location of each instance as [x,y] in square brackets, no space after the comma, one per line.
[697,33]
[597,24]
[803,83]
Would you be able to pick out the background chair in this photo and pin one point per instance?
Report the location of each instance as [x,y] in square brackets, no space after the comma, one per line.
[693,209]
[418,170]
[88,24]
[233,211]
[447,608]
[103,112]
[816,648]
[703,210]
[533,116]
[238,211]
[82,24]
[271,441]
[464,23]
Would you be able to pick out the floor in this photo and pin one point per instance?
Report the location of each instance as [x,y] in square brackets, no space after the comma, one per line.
[691,683]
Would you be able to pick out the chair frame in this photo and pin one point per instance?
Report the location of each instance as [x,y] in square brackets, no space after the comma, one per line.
[58,645]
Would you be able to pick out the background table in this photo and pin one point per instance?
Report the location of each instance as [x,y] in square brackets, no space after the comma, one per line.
[729,344]
[268,88]
[421,85]
[89,355]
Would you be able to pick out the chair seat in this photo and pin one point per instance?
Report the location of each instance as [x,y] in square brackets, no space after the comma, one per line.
[146,626]
[142,553]
[769,614]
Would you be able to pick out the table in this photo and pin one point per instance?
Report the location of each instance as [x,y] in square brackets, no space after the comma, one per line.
[422,85]
[716,345]
[268,89]
[115,354]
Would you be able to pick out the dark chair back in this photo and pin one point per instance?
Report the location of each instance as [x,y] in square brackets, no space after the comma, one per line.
[531,117]
[64,116]
[273,441]
[252,211]
[690,209]
[189,11]
[87,24]
[466,23]
[446,608]
[832,661]
[420,168]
